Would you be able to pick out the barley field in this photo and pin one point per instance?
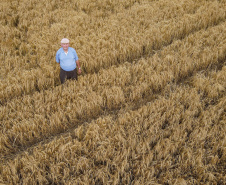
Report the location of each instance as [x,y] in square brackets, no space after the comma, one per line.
[149,107]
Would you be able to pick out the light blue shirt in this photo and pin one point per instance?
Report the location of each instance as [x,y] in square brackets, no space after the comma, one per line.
[67,61]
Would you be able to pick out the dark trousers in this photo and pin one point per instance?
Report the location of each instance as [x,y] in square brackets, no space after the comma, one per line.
[68,75]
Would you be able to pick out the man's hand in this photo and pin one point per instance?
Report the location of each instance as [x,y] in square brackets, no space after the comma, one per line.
[79,68]
[79,71]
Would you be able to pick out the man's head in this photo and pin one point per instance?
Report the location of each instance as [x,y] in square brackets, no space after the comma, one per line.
[65,44]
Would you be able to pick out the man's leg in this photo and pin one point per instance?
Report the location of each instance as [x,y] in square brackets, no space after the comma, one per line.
[74,74]
[63,75]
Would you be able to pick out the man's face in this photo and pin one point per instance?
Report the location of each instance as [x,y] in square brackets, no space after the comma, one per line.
[65,46]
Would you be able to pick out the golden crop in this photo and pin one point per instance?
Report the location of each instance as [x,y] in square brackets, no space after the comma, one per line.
[149,107]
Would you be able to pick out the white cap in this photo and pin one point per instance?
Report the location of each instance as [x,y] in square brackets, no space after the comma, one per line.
[65,40]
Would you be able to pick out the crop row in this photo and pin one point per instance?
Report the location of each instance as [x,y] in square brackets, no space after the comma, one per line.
[164,141]
[111,44]
[27,120]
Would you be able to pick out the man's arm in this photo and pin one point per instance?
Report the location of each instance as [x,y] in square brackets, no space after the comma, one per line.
[79,68]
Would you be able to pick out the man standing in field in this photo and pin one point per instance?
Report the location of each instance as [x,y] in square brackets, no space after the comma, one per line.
[68,60]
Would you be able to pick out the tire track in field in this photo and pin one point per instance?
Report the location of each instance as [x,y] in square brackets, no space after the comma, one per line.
[114,114]
[133,106]
[54,147]
[157,89]
[53,80]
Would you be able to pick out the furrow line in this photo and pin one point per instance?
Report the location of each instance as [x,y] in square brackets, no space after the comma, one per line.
[54,112]
[153,134]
